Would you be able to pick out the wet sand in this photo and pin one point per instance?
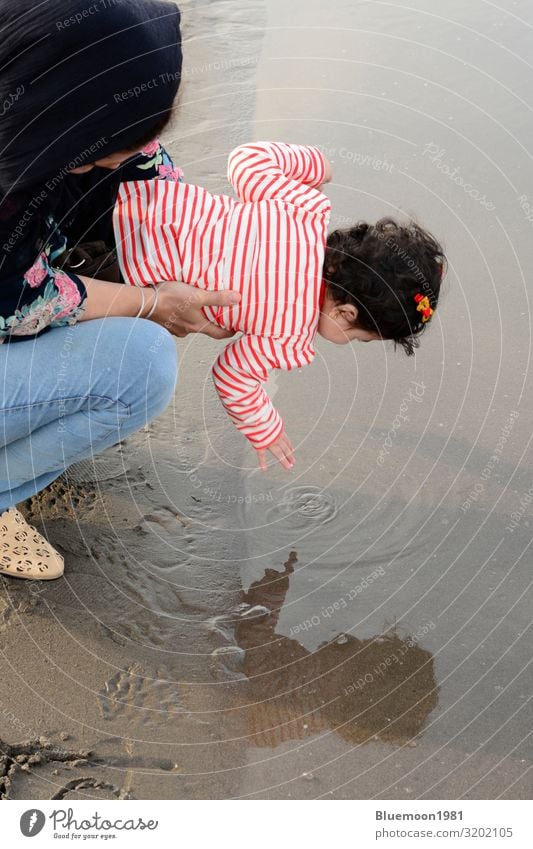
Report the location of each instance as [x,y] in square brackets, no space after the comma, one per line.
[359,627]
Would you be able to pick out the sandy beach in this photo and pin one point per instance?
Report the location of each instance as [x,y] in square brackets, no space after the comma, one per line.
[359,627]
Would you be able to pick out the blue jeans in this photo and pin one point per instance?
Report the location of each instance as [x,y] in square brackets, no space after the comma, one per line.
[75,391]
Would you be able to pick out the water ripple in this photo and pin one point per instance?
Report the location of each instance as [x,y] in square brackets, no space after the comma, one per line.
[305,504]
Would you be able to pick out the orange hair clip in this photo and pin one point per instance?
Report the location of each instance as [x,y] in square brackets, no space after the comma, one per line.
[423,306]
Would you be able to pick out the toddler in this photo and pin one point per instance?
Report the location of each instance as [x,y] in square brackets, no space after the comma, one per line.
[272,245]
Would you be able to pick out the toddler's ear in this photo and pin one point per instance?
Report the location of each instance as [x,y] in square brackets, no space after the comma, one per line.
[348,312]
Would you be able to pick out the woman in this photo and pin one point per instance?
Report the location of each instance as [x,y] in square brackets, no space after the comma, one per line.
[86,90]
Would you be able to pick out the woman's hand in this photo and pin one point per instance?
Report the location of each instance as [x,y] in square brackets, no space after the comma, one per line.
[179,309]
[179,306]
[282,450]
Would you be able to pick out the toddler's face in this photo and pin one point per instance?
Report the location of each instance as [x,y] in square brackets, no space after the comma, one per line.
[336,324]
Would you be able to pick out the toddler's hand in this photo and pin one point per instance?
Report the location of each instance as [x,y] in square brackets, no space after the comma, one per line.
[328,174]
[281,449]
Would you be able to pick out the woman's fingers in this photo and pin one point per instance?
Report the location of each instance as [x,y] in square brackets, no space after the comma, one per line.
[225,298]
[222,298]
[180,309]
[216,332]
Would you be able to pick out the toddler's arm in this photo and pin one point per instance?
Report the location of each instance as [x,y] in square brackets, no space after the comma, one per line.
[238,374]
[279,171]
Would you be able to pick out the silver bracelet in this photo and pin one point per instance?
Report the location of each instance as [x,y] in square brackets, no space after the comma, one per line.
[156,296]
[142,304]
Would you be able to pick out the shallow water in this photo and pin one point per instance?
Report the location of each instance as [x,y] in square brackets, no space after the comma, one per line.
[359,627]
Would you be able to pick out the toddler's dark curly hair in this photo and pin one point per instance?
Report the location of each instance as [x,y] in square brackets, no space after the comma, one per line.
[379,269]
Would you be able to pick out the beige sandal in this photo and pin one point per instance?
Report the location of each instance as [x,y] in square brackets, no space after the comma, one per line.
[24,552]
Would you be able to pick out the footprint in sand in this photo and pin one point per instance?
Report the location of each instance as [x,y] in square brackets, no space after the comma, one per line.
[136,696]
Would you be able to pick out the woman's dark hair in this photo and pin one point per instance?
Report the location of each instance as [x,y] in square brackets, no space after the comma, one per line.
[153,133]
[380,269]
[98,85]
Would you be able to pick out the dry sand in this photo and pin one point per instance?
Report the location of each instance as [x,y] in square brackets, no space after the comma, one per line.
[360,627]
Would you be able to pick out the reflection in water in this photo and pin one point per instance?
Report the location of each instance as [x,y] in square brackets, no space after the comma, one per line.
[382,687]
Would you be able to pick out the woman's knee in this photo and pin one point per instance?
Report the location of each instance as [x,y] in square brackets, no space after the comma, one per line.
[126,360]
[156,366]
[163,366]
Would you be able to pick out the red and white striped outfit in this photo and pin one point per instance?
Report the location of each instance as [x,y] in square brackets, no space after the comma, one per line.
[269,245]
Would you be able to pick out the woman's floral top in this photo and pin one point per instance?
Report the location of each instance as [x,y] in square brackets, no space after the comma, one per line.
[45,296]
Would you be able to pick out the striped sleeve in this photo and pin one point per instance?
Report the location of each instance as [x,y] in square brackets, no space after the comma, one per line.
[239,372]
[146,219]
[279,171]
